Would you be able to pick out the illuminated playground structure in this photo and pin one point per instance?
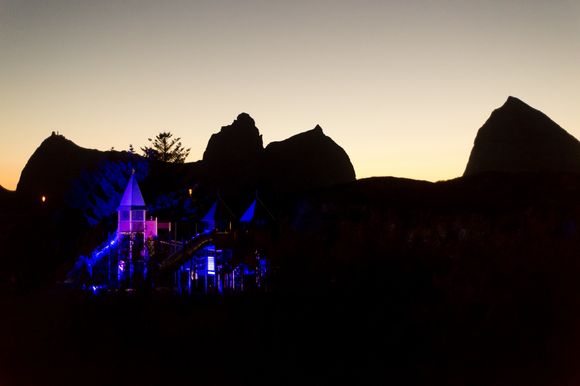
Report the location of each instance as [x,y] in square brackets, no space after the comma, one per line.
[141,254]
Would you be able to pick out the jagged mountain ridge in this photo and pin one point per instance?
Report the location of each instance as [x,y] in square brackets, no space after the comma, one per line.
[234,161]
[518,138]
[515,138]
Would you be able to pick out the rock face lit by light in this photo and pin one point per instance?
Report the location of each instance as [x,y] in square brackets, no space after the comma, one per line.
[43,199]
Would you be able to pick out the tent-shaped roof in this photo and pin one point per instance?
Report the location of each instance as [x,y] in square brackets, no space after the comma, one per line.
[132,198]
[248,215]
[219,213]
[210,215]
[257,213]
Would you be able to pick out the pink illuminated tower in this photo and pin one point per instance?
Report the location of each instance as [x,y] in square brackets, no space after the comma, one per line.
[133,233]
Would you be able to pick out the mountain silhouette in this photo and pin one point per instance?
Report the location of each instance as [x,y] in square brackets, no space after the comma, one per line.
[306,161]
[519,138]
[234,161]
[239,142]
[56,164]
[6,198]
[231,157]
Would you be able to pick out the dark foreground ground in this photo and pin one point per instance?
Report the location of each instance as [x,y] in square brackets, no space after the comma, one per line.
[385,282]
[66,338]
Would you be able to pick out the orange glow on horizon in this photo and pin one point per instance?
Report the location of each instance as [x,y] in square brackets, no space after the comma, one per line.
[402,88]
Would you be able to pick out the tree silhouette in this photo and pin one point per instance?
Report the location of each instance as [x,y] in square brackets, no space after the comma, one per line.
[165,148]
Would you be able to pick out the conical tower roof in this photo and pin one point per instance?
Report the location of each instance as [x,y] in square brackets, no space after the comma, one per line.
[132,198]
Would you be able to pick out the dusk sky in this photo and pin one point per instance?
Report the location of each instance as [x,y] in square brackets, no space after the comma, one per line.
[402,86]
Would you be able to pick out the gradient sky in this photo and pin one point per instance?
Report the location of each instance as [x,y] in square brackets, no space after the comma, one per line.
[402,86]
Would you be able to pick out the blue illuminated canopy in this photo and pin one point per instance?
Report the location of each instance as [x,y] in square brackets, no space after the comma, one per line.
[257,213]
[219,215]
[248,215]
[209,217]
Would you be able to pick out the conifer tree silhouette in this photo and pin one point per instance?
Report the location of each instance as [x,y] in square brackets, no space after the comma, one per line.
[165,148]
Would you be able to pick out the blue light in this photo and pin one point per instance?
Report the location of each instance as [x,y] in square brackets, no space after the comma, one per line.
[248,215]
[98,253]
[210,265]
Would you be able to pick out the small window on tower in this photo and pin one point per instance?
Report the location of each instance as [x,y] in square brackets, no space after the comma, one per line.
[124,215]
[138,215]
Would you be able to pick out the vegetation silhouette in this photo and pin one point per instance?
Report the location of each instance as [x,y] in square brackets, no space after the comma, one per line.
[165,148]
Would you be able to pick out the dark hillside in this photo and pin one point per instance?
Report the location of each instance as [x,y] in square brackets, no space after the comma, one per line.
[56,164]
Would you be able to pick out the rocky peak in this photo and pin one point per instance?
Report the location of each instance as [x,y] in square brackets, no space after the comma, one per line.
[307,160]
[513,101]
[519,138]
[237,142]
[231,156]
[244,119]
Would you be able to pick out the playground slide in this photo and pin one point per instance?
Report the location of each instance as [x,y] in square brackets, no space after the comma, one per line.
[173,261]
